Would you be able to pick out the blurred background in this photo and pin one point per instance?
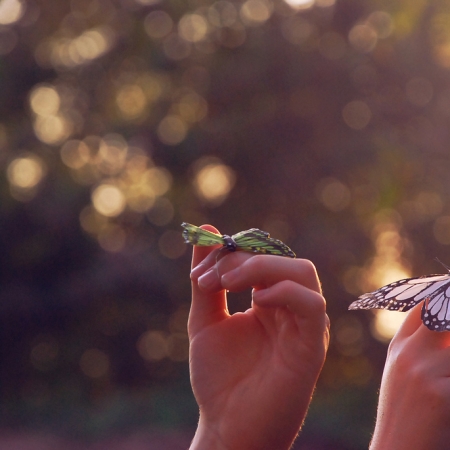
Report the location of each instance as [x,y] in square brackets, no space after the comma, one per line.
[323,122]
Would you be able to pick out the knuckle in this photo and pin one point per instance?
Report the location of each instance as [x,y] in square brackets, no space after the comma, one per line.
[316,301]
[230,261]
[308,268]
[256,263]
[319,303]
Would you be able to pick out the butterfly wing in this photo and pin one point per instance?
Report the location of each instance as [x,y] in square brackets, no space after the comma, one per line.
[402,295]
[436,310]
[197,236]
[253,240]
[258,241]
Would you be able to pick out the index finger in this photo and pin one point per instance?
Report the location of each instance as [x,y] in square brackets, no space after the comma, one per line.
[267,270]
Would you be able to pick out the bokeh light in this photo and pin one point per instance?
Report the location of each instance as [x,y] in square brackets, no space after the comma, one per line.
[299,31]
[159,179]
[75,154]
[51,125]
[172,130]
[131,101]
[386,323]
[388,265]
[112,154]
[108,200]
[152,345]
[24,175]
[192,107]
[222,14]
[64,52]
[193,27]
[256,12]
[300,4]
[356,114]
[52,129]
[363,38]
[11,11]
[334,194]
[382,23]
[155,345]
[45,100]
[158,24]
[213,181]
[26,172]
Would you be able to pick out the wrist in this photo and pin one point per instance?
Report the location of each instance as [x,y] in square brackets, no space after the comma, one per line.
[206,438]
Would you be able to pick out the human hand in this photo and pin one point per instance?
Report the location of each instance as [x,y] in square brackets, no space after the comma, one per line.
[253,373]
[414,404]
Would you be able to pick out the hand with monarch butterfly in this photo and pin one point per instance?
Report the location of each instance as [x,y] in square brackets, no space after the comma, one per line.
[253,373]
[414,403]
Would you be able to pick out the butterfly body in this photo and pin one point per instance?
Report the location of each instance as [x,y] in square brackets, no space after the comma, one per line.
[402,295]
[252,240]
[229,243]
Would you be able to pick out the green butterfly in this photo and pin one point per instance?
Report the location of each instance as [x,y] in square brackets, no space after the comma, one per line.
[253,240]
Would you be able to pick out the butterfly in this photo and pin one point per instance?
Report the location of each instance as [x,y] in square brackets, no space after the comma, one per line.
[253,240]
[402,295]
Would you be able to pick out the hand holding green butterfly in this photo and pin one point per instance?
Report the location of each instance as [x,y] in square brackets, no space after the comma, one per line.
[253,373]
[414,403]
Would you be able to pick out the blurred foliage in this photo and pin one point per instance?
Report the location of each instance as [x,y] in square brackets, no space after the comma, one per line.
[325,123]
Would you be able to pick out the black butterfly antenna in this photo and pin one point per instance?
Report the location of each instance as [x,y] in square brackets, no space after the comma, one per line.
[444,265]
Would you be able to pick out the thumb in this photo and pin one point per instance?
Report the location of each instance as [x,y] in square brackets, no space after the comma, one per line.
[413,328]
[206,308]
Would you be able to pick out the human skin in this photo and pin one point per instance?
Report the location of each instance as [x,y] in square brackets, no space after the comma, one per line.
[253,373]
[414,404]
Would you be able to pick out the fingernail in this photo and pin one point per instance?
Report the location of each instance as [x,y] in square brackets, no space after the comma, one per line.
[260,295]
[207,279]
[228,278]
[197,271]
